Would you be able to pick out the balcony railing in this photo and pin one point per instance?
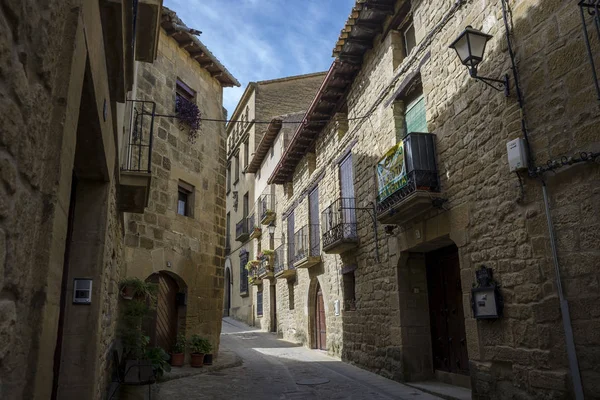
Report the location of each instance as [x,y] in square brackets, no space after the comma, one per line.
[241,230]
[266,208]
[307,246]
[408,179]
[338,222]
[136,157]
[265,269]
[280,267]
[254,229]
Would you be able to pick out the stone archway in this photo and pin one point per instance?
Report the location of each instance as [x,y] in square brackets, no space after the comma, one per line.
[168,318]
[317,324]
[227,292]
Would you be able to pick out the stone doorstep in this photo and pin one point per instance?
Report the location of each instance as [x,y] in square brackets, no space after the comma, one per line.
[443,390]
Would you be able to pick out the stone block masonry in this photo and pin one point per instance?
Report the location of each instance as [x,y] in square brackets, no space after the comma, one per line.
[187,249]
[487,216]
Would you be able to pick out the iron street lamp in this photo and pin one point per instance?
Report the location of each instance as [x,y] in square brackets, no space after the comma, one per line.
[470,47]
[271,228]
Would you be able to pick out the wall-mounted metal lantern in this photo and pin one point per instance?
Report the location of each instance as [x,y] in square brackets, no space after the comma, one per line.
[593,8]
[470,48]
[486,299]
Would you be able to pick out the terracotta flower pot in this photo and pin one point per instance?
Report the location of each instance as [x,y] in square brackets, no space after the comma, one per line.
[197,360]
[177,359]
[208,359]
[127,292]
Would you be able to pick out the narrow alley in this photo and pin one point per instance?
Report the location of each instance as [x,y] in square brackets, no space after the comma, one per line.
[276,369]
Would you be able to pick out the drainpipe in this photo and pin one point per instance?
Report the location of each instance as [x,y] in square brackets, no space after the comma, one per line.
[564,306]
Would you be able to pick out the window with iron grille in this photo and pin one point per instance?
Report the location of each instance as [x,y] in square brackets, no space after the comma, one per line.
[259,303]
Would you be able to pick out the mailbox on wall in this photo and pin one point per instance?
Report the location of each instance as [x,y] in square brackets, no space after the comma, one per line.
[486,299]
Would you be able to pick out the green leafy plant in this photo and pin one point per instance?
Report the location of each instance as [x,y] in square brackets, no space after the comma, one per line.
[159,359]
[268,252]
[199,345]
[253,264]
[137,288]
[179,346]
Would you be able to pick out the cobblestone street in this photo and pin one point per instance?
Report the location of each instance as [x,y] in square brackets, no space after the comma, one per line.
[276,369]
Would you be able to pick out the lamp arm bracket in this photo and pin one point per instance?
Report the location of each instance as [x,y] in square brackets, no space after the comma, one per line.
[498,84]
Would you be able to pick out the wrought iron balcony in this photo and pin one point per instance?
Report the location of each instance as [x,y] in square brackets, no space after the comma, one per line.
[307,246]
[338,222]
[241,230]
[254,230]
[266,208]
[136,159]
[254,278]
[280,267]
[408,181]
[265,269]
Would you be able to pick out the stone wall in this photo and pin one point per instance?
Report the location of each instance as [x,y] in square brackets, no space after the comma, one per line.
[45,57]
[489,219]
[191,248]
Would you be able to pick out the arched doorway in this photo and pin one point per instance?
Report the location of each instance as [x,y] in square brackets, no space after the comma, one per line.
[162,327]
[227,294]
[320,327]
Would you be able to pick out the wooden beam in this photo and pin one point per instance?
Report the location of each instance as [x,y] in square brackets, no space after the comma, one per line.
[368,43]
[208,64]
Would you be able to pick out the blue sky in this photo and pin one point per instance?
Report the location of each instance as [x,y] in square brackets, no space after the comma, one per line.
[266,39]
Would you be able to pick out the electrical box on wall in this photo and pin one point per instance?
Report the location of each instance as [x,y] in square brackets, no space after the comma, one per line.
[82,291]
[486,300]
[517,156]
[336,307]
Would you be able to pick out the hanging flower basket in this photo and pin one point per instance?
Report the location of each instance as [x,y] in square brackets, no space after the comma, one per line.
[268,217]
[188,115]
[256,233]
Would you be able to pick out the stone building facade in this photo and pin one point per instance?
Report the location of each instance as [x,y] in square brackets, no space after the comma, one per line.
[395,273]
[260,102]
[66,70]
[178,242]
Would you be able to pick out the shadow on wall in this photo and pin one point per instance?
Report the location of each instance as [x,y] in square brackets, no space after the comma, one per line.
[472,127]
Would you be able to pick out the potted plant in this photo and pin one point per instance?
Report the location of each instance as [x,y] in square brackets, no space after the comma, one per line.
[189,114]
[178,354]
[199,347]
[208,356]
[136,288]
[159,359]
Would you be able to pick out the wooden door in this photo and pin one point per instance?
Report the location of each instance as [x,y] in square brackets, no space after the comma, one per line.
[320,326]
[347,191]
[273,304]
[448,336]
[163,325]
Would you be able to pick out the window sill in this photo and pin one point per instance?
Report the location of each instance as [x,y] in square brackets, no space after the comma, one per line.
[244,294]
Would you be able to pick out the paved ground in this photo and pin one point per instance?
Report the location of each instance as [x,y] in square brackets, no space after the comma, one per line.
[275,369]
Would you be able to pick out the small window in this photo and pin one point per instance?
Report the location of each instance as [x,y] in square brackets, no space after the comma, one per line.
[259,303]
[247,115]
[349,291]
[236,165]
[410,40]
[183,93]
[246,153]
[185,199]
[228,178]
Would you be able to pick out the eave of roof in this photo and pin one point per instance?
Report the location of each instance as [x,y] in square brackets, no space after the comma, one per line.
[196,48]
[268,140]
[364,24]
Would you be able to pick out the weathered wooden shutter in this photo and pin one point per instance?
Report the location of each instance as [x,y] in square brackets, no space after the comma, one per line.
[347,191]
[290,237]
[416,120]
[314,231]
[259,303]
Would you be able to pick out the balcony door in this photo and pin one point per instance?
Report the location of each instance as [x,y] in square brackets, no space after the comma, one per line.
[313,229]
[291,238]
[348,212]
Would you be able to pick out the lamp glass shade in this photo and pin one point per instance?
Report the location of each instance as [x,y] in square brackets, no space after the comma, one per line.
[470,46]
[271,228]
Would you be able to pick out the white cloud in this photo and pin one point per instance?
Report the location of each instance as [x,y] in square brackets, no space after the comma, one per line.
[265,39]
